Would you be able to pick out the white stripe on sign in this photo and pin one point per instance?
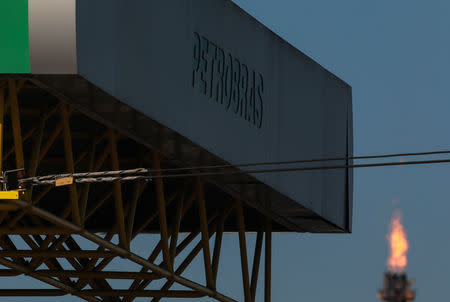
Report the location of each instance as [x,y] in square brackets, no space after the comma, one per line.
[52,25]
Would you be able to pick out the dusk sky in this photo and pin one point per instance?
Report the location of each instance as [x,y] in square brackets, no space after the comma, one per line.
[396,56]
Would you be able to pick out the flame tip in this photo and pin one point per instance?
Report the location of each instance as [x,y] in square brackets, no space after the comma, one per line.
[398,243]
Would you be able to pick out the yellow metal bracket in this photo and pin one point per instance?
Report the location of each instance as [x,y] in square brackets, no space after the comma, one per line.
[10,195]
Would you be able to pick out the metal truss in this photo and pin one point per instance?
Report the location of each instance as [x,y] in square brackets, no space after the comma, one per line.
[45,135]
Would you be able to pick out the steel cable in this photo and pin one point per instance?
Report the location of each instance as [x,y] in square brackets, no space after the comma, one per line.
[290,162]
[126,175]
[37,182]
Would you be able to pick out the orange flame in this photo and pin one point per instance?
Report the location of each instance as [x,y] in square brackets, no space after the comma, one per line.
[398,244]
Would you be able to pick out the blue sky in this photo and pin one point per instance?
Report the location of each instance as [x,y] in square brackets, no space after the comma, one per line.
[396,56]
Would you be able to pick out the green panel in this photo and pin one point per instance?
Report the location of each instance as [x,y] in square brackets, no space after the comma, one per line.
[14,46]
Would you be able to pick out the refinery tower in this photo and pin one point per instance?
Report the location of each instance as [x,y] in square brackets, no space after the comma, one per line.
[396,286]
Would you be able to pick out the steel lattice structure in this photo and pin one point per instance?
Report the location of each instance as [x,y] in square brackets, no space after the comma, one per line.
[45,135]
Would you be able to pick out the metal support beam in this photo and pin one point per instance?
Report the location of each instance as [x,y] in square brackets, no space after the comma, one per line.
[183,266]
[68,153]
[15,119]
[136,193]
[256,262]
[144,293]
[100,293]
[122,252]
[152,217]
[95,283]
[218,246]
[117,192]
[176,224]
[32,292]
[55,244]
[98,275]
[13,90]
[39,245]
[33,163]
[91,266]
[34,231]
[243,250]
[205,236]
[190,257]
[66,288]
[9,273]
[55,254]
[138,189]
[34,160]
[162,212]
[268,261]
[137,284]
[85,188]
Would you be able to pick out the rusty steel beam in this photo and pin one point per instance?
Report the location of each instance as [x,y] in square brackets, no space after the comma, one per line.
[243,250]
[98,204]
[31,131]
[96,275]
[176,224]
[138,189]
[268,261]
[117,193]
[55,244]
[152,217]
[42,245]
[160,196]
[50,140]
[95,283]
[7,244]
[178,249]
[9,273]
[256,262]
[124,253]
[182,267]
[144,293]
[38,245]
[68,154]
[66,288]
[34,160]
[190,257]
[137,283]
[218,246]
[205,236]
[32,292]
[85,188]
[13,89]
[91,266]
[24,138]
[55,254]
[141,283]
[34,231]
[15,120]
[98,165]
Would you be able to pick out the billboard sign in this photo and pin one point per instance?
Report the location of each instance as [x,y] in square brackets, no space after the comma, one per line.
[211,73]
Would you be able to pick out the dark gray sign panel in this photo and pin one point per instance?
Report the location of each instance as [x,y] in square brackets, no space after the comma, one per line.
[212,73]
